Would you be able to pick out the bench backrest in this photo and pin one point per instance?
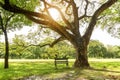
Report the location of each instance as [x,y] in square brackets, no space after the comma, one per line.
[63,60]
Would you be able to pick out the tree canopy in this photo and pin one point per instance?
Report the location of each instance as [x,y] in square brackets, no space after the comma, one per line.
[11,21]
[73,15]
[111,20]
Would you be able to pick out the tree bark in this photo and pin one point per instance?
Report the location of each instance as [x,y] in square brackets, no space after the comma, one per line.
[81,60]
[81,54]
[81,63]
[6,65]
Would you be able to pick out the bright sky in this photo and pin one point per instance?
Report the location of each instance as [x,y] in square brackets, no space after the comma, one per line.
[98,34]
[104,37]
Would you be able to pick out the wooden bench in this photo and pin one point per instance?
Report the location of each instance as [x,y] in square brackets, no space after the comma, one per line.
[63,60]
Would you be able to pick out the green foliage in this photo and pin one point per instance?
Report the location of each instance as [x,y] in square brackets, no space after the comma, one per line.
[32,52]
[96,49]
[62,49]
[108,19]
[111,19]
[26,4]
[17,20]
[113,52]
[21,49]
[17,48]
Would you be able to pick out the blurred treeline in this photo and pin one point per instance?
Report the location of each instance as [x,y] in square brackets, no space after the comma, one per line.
[23,49]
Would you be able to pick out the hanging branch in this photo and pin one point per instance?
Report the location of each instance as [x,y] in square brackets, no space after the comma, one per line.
[15,9]
[45,23]
[85,11]
[75,13]
[67,8]
[56,41]
[94,18]
[61,28]
[47,44]
[35,16]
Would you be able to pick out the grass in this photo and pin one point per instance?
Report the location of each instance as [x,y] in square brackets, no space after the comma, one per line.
[23,69]
[100,70]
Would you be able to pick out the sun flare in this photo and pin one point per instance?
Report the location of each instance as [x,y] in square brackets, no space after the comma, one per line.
[54,13]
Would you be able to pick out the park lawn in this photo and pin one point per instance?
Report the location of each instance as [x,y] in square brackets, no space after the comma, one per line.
[24,69]
[99,71]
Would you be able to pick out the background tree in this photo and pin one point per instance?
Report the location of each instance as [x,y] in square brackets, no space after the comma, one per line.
[61,49]
[17,46]
[96,49]
[112,52]
[4,20]
[10,21]
[72,15]
[21,48]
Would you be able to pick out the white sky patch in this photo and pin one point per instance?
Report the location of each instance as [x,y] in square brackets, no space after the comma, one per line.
[23,31]
[54,13]
[104,37]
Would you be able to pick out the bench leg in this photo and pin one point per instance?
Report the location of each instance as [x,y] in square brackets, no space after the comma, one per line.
[55,65]
[67,64]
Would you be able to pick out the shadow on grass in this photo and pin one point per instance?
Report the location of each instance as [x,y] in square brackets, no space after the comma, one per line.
[97,74]
[105,70]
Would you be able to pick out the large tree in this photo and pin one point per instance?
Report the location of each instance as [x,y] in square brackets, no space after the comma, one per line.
[10,21]
[3,27]
[74,14]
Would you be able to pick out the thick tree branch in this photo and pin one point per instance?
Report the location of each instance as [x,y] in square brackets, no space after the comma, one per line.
[26,46]
[52,25]
[15,9]
[75,29]
[62,15]
[38,45]
[56,41]
[94,18]
[47,44]
[61,28]
[45,23]
[75,13]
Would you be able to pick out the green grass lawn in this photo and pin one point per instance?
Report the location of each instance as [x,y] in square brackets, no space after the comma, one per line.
[101,70]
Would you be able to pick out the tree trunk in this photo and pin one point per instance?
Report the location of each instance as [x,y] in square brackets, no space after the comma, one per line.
[81,55]
[6,65]
[81,60]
